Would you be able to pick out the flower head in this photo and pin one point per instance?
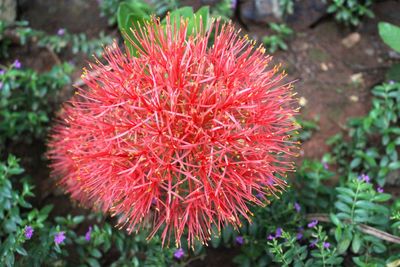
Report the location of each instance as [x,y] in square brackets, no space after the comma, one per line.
[326,166]
[239,240]
[379,189]
[61,32]
[179,253]
[313,243]
[326,244]
[88,234]
[201,129]
[297,207]
[278,232]
[59,237]
[2,72]
[299,235]
[28,232]
[364,178]
[312,224]
[17,64]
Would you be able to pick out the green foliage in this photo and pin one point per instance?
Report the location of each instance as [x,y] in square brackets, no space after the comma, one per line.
[350,12]
[374,139]
[16,249]
[288,251]
[133,16]
[286,6]
[307,128]
[359,204]
[276,41]
[390,35]
[25,101]
[108,9]
[78,43]
[223,9]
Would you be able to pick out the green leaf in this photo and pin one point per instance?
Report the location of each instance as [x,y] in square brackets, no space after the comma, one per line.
[335,219]
[390,35]
[394,165]
[132,16]
[342,207]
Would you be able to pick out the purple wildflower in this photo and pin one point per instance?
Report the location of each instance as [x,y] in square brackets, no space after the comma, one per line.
[297,207]
[379,189]
[88,234]
[239,240]
[179,253]
[312,224]
[313,243]
[28,232]
[260,196]
[17,64]
[59,237]
[271,237]
[364,177]
[326,244]
[278,232]
[326,166]
[61,32]
[299,235]
[391,82]
[2,72]
[233,4]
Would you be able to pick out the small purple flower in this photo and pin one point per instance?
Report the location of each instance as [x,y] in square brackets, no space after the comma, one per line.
[326,245]
[364,177]
[61,32]
[154,201]
[391,82]
[17,64]
[297,207]
[260,196]
[271,237]
[59,237]
[2,72]
[233,4]
[299,235]
[313,243]
[179,253]
[326,166]
[88,234]
[239,240]
[312,224]
[379,189]
[278,232]
[28,232]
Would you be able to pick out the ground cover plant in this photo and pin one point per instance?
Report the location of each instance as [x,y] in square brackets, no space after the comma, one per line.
[126,204]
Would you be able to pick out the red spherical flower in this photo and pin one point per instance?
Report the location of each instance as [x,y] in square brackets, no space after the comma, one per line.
[181,137]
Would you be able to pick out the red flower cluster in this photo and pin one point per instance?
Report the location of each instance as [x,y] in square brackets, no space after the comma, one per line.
[182,137]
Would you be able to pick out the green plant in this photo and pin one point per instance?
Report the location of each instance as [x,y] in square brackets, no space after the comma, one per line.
[78,43]
[390,35]
[223,9]
[286,6]
[359,204]
[276,41]
[25,103]
[350,12]
[375,138]
[134,15]
[18,248]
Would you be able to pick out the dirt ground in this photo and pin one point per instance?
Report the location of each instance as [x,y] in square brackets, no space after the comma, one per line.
[332,80]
